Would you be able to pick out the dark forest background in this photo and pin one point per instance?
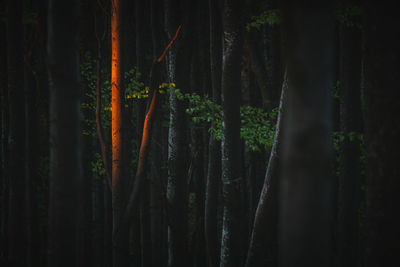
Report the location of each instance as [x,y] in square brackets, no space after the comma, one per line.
[199,133]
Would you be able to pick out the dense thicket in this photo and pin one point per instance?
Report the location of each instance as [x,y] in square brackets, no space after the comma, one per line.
[151,133]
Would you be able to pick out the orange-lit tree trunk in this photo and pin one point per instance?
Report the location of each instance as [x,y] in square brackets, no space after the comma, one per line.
[120,237]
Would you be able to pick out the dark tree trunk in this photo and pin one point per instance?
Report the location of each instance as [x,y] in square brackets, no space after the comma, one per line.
[232,236]
[108,217]
[4,128]
[351,123]
[177,150]
[196,172]
[88,44]
[157,229]
[263,242]
[214,157]
[98,222]
[140,59]
[382,135]
[65,133]
[17,235]
[31,167]
[306,202]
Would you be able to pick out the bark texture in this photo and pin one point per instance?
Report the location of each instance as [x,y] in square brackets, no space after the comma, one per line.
[214,158]
[350,125]
[263,241]
[231,249]
[17,234]
[65,133]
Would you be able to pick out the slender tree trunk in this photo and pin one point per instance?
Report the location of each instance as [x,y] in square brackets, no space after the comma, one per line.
[156,184]
[108,219]
[65,133]
[3,145]
[306,203]
[17,236]
[351,123]
[31,171]
[98,222]
[197,175]
[263,242]
[177,139]
[214,158]
[140,59]
[382,135]
[231,243]
[120,229]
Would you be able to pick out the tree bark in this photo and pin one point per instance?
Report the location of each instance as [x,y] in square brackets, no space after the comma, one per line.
[3,126]
[351,124]
[231,248]
[65,133]
[382,135]
[177,136]
[17,235]
[214,157]
[306,203]
[157,219]
[120,229]
[263,241]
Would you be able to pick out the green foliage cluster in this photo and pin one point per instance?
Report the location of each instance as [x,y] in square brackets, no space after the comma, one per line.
[97,165]
[350,15]
[270,17]
[257,127]
[88,74]
[134,88]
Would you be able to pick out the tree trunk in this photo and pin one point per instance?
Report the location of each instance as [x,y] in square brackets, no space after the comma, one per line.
[306,206]
[17,235]
[177,139]
[382,135]
[65,133]
[157,229]
[351,123]
[231,243]
[214,157]
[32,163]
[3,126]
[263,242]
[120,230]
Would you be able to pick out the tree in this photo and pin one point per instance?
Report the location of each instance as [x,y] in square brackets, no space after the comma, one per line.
[3,144]
[231,250]
[120,229]
[263,241]
[350,126]
[214,147]
[306,184]
[177,137]
[65,133]
[382,135]
[17,235]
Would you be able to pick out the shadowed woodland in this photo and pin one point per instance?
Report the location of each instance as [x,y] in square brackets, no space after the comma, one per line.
[199,133]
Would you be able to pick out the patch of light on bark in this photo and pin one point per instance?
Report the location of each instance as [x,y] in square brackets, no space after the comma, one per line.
[224,240]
